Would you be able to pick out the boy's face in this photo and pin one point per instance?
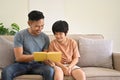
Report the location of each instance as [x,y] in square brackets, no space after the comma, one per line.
[36,26]
[60,36]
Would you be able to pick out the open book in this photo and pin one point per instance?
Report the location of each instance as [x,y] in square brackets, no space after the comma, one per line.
[41,56]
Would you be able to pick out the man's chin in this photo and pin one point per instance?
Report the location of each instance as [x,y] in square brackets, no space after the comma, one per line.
[37,33]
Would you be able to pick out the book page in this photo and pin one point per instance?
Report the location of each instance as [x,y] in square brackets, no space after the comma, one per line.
[42,56]
[54,56]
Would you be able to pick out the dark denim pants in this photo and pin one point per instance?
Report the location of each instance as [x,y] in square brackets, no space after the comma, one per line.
[16,69]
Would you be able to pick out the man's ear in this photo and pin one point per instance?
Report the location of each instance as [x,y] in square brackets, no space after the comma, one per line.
[29,23]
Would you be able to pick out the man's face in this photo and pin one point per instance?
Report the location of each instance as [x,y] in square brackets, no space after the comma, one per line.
[36,26]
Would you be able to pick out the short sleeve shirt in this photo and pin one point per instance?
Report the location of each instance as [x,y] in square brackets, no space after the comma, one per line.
[31,43]
[69,49]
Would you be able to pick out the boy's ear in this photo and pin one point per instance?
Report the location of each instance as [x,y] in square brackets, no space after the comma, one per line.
[66,33]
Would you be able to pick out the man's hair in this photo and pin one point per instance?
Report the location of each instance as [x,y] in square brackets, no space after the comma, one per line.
[60,26]
[35,15]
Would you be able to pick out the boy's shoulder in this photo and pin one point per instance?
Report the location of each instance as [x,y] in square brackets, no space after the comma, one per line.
[70,39]
[67,38]
[53,41]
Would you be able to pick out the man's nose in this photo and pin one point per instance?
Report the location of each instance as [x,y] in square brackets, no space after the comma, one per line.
[40,28]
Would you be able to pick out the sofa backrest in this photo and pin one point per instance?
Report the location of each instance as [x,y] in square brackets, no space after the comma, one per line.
[94,50]
[73,36]
[76,37]
[8,61]
[7,37]
[6,51]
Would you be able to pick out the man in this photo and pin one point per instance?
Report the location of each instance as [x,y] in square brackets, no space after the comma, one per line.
[26,42]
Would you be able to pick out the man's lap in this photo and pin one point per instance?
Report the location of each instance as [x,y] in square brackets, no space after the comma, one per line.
[26,68]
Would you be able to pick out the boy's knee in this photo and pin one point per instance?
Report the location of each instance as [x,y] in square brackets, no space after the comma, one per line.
[58,69]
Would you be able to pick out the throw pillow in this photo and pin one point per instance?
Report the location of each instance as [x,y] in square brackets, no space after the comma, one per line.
[95,53]
[6,52]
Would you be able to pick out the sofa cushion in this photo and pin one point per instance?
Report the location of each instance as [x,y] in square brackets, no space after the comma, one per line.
[6,52]
[29,77]
[95,52]
[99,73]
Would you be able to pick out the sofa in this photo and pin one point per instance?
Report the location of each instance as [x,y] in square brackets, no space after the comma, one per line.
[97,59]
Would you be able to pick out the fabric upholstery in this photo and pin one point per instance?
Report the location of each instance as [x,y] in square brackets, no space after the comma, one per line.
[95,52]
[37,77]
[92,73]
[98,73]
[116,61]
[29,77]
[6,52]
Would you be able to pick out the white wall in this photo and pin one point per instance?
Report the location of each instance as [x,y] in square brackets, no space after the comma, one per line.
[83,16]
[53,11]
[14,11]
[95,16]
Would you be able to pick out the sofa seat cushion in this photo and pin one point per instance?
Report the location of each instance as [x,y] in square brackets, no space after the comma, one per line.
[37,77]
[98,73]
[34,77]
[92,73]
[29,77]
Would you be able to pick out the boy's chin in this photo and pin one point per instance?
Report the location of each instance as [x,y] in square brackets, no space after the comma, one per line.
[59,40]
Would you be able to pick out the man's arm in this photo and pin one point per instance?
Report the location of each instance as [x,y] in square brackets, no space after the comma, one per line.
[20,57]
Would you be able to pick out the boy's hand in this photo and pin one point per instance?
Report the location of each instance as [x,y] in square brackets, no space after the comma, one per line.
[66,70]
[49,62]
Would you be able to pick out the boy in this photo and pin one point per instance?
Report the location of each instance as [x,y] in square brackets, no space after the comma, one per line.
[70,53]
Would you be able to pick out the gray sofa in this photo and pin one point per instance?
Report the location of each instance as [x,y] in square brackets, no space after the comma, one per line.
[97,59]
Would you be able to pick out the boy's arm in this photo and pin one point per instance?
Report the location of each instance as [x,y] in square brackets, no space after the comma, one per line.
[59,64]
[76,55]
[73,63]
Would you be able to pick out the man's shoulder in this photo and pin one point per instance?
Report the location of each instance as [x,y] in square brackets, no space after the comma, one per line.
[21,33]
[43,34]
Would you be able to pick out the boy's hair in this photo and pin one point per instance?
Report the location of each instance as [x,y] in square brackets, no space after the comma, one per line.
[60,26]
[35,15]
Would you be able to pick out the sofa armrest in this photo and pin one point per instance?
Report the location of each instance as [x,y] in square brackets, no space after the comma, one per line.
[116,61]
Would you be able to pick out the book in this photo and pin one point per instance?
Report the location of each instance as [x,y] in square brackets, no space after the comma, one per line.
[53,56]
